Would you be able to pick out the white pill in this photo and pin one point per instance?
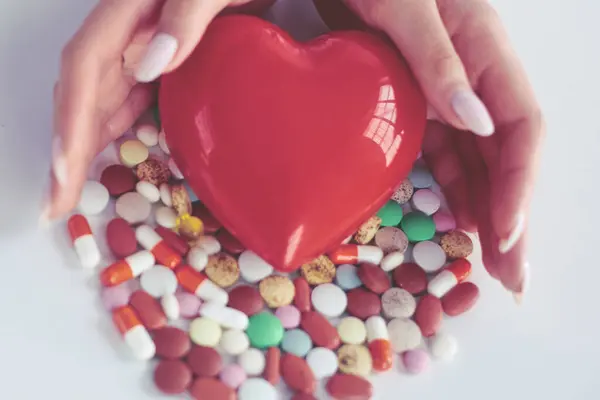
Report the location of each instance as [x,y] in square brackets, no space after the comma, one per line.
[162,142]
[148,190]
[197,258]
[426,201]
[166,217]
[429,256]
[133,207]
[398,303]
[170,306]
[329,299]
[140,343]
[404,334]
[159,281]
[443,346]
[227,317]
[205,332]
[392,261]
[165,194]
[252,267]
[257,389]
[376,328]
[252,361]
[147,134]
[175,171]
[94,198]
[323,362]
[209,244]
[234,342]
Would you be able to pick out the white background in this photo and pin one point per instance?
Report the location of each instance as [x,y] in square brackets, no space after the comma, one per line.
[54,338]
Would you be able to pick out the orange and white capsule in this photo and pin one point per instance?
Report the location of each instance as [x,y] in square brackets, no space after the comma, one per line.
[84,242]
[134,333]
[127,268]
[197,283]
[353,254]
[380,346]
[153,242]
[450,276]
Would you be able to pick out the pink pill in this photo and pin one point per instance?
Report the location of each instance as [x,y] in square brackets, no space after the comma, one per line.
[289,316]
[189,305]
[116,296]
[444,221]
[415,361]
[233,376]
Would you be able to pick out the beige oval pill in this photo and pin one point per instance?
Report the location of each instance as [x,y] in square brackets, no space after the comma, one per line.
[318,271]
[352,330]
[355,359]
[222,269]
[277,291]
[456,244]
[133,152]
[366,232]
[205,332]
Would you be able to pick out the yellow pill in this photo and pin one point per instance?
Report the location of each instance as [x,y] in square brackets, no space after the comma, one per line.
[133,152]
[189,227]
[355,359]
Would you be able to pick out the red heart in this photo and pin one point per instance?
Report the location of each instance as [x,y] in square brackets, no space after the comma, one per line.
[290,145]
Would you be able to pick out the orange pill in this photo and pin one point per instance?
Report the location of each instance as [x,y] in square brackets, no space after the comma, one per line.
[198,283]
[353,254]
[127,268]
[83,241]
[134,333]
[151,241]
[379,343]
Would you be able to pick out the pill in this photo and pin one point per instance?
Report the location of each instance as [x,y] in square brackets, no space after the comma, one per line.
[189,227]
[197,258]
[428,315]
[135,335]
[162,142]
[148,310]
[118,179]
[391,239]
[443,346]
[172,376]
[83,240]
[204,361]
[379,343]
[460,299]
[211,224]
[181,199]
[151,241]
[211,389]
[391,261]
[456,244]
[149,191]
[230,243]
[133,207]
[390,214]
[296,341]
[233,376]
[205,332]
[404,334]
[415,361]
[363,303]
[289,316]
[320,330]
[318,271]
[257,389]
[404,192]
[165,217]
[418,226]
[429,256]
[173,240]
[175,171]
[159,281]
[297,374]
[355,360]
[252,267]
[426,201]
[222,269]
[444,221]
[410,277]
[329,299]
[189,304]
[323,362]
[272,361]
[170,306]
[147,134]
[153,171]
[264,330]
[345,386]
[116,296]
[303,396]
[449,277]
[120,237]
[374,278]
[366,232]
[252,361]
[420,177]
[171,343]
[302,294]
[246,299]
[346,277]
[234,342]
[354,254]
[398,303]
[133,152]
[127,268]
[93,198]
[227,317]
[165,194]
[198,283]
[209,244]
[277,291]
[352,330]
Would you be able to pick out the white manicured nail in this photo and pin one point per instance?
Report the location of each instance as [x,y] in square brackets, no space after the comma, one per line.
[518,296]
[472,112]
[59,163]
[507,244]
[159,54]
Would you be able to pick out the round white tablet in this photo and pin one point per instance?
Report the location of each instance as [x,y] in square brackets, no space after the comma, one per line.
[329,299]
[174,169]
[94,198]
[443,346]
[148,190]
[323,362]
[158,281]
[234,342]
[404,334]
[252,361]
[209,244]
[197,258]
[429,256]
[426,201]
[162,142]
[166,217]
[257,389]
[170,306]
[252,267]
[165,194]
[133,207]
[147,134]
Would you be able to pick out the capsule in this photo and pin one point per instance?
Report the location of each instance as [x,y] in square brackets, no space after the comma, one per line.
[354,254]
[127,268]
[151,241]
[227,317]
[134,333]
[84,242]
[379,343]
[451,276]
[199,284]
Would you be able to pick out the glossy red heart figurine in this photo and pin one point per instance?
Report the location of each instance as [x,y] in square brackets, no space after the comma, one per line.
[291,145]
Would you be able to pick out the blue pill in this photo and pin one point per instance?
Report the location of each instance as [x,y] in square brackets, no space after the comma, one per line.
[297,342]
[190,192]
[420,178]
[346,277]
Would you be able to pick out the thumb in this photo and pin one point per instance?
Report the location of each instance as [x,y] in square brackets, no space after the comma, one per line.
[181,26]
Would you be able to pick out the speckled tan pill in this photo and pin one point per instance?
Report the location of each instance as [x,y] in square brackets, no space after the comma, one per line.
[318,271]
[456,244]
[222,269]
[355,359]
[133,152]
[366,232]
[180,200]
[153,171]
[404,192]
[277,291]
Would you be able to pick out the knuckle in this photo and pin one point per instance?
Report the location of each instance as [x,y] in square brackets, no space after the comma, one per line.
[444,63]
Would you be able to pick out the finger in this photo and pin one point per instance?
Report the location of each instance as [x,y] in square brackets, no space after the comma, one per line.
[181,26]
[419,32]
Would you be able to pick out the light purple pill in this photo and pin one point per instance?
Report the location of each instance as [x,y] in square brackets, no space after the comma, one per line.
[233,376]
[116,296]
[189,305]
[289,316]
[426,201]
[415,361]
[444,221]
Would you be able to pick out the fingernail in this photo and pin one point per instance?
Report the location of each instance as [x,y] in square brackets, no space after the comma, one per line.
[59,163]
[159,54]
[507,244]
[472,112]
[44,220]
[518,295]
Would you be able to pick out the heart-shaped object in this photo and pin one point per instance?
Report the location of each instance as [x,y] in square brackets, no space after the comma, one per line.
[291,145]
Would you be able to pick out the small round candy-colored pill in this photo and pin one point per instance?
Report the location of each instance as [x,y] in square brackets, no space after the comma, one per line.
[374,278]
[264,330]
[426,201]
[257,389]
[162,142]
[352,330]
[346,277]
[277,291]
[233,376]
[429,256]
[153,171]
[199,284]
[175,172]
[147,134]
[449,277]
[415,361]
[205,361]
[418,226]
[133,207]
[148,190]
[159,281]
[363,303]
[302,295]
[391,239]
[253,268]
[366,232]
[410,277]
[457,244]
[222,269]
[171,342]
[172,376]
[210,388]
[209,244]
[296,374]
[170,306]
[460,299]
[272,365]
[392,261]
[323,362]
[189,305]
[297,342]
[420,177]
[428,315]
[252,362]
[227,317]
[318,271]
[205,332]
[405,334]
[133,152]
[246,299]
[443,346]
[165,194]
[83,241]
[118,179]
[93,199]
[379,343]
[148,309]
[289,316]
[444,221]
[329,299]
[404,192]
[197,258]
[134,333]
[390,214]
[234,342]
[120,238]
[116,296]
[355,359]
[354,254]
[166,217]
[398,303]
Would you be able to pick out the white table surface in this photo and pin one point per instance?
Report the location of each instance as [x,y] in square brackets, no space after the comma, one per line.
[53,335]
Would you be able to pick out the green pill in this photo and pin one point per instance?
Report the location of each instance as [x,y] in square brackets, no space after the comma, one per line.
[264,330]
[418,226]
[390,214]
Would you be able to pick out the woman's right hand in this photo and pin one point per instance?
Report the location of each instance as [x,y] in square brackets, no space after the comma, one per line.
[106,76]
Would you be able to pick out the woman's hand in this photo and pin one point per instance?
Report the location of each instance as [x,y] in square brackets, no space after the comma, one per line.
[474,82]
[105,79]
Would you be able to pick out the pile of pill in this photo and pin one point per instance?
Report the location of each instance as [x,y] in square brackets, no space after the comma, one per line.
[222,324]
